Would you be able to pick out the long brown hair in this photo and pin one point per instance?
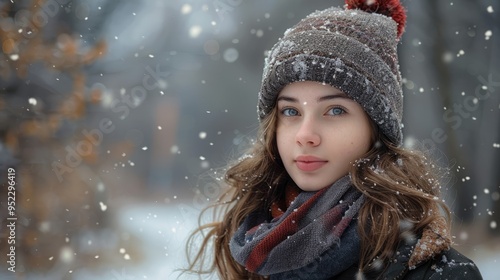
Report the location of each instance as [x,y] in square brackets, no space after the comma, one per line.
[401,188]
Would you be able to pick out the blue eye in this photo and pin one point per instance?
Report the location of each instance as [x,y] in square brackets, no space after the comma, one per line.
[290,112]
[336,111]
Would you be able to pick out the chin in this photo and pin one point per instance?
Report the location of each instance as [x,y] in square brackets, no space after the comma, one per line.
[315,182]
[309,186]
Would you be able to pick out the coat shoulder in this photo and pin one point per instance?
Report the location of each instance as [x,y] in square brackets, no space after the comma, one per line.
[447,266]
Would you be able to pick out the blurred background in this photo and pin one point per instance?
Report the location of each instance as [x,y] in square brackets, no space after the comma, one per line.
[116,116]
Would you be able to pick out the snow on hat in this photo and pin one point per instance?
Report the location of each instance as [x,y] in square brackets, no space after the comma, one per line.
[352,49]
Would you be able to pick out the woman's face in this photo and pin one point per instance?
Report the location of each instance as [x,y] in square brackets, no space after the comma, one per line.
[320,133]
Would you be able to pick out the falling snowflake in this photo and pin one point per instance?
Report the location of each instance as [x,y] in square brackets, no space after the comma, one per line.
[488,34]
[66,254]
[186,9]
[103,206]
[230,55]
[174,149]
[32,101]
[195,31]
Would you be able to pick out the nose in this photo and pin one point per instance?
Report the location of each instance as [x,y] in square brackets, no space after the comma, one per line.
[308,134]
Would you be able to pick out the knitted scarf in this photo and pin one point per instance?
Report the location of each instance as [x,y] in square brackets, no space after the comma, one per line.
[316,230]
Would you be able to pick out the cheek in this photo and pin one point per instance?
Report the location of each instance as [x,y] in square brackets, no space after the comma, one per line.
[359,141]
[362,140]
[359,148]
[281,139]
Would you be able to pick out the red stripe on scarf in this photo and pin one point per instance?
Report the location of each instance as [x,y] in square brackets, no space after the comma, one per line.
[287,227]
[291,192]
[334,218]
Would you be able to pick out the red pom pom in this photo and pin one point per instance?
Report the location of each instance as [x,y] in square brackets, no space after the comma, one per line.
[390,8]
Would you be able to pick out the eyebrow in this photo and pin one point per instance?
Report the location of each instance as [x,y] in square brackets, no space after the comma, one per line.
[322,98]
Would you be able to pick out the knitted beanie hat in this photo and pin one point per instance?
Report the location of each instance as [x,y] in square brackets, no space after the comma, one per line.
[352,49]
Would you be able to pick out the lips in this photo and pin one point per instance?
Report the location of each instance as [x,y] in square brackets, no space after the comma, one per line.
[309,163]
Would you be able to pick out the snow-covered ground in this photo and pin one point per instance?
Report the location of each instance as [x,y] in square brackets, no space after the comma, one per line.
[162,230]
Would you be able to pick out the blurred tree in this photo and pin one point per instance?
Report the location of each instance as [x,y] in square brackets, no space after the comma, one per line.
[37,128]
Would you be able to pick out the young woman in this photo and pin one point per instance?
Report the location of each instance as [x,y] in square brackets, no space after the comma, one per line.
[327,191]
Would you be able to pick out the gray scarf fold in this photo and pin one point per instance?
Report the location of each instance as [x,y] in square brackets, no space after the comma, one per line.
[315,238]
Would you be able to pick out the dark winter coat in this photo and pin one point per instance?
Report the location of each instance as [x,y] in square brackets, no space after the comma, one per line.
[448,265]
